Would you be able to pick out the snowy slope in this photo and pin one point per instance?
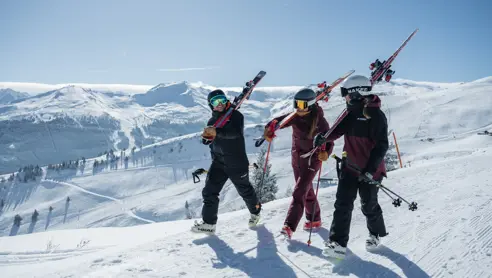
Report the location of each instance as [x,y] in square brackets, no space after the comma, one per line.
[158,182]
[449,236]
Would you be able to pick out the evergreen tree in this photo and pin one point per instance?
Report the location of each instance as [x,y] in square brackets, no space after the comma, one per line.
[265,186]
[391,158]
[189,213]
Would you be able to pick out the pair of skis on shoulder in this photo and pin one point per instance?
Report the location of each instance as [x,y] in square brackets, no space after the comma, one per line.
[323,93]
[375,77]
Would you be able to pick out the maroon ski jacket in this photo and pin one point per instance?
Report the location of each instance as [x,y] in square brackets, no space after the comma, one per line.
[303,196]
[366,140]
[301,141]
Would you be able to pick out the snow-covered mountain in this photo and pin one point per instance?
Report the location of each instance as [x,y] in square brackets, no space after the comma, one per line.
[447,172]
[9,95]
[73,122]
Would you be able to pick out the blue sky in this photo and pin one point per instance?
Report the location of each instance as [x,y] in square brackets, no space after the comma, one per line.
[226,42]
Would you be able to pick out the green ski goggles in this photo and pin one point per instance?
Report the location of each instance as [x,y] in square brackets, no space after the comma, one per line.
[220,99]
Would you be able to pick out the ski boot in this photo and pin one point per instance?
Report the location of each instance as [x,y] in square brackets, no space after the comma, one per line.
[375,65]
[334,250]
[286,231]
[314,225]
[388,75]
[253,220]
[372,242]
[202,227]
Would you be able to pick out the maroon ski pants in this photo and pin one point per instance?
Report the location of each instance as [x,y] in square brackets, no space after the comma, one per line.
[303,196]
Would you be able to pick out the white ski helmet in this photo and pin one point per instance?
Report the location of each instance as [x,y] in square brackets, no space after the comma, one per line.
[356,84]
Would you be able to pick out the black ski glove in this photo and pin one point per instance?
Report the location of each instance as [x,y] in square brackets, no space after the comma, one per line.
[319,140]
[367,178]
[206,141]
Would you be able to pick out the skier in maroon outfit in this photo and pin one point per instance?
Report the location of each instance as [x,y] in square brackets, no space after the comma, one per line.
[305,125]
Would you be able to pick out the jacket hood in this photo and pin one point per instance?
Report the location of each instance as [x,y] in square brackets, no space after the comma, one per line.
[372,106]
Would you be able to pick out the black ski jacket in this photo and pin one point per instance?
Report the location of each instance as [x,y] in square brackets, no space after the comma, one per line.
[365,140]
[228,147]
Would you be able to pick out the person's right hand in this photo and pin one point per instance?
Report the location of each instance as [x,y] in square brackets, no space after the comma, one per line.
[268,134]
[319,140]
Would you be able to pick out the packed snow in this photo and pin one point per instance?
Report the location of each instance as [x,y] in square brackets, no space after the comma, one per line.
[129,219]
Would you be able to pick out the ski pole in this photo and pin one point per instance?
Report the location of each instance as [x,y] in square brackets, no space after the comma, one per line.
[396,202]
[272,128]
[265,166]
[314,206]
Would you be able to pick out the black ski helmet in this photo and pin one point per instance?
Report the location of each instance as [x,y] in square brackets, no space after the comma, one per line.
[306,96]
[213,94]
[356,84]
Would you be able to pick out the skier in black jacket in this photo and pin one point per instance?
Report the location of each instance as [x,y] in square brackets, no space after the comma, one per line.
[365,131]
[229,161]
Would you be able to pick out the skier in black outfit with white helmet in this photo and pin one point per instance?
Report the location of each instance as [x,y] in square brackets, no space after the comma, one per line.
[229,161]
[365,131]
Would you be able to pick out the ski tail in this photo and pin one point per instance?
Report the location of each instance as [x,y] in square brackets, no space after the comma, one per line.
[327,90]
[236,104]
[375,75]
[378,73]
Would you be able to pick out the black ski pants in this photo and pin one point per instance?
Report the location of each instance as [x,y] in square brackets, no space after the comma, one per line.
[216,178]
[344,204]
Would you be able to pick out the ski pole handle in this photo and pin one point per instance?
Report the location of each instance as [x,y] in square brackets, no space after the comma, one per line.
[259,142]
[272,126]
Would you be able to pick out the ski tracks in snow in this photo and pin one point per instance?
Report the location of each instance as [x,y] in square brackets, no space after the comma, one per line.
[21,258]
[78,188]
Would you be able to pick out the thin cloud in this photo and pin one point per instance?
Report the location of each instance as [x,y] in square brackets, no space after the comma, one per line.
[98,70]
[189,69]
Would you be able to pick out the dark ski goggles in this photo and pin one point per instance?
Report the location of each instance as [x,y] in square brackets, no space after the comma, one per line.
[220,99]
[303,104]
